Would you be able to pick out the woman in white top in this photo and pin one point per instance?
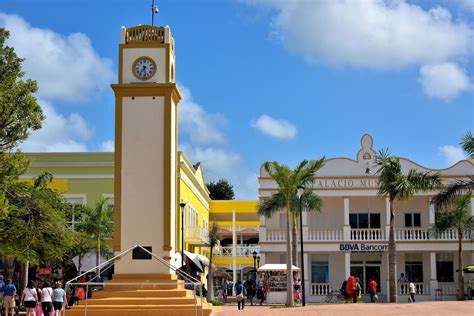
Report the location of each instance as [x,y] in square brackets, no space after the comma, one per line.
[29,298]
[47,299]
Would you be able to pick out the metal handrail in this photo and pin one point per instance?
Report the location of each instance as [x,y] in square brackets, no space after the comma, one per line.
[184,275]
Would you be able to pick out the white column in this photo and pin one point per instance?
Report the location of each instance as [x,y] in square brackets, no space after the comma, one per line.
[472,206]
[347,265]
[431,217]
[262,230]
[346,230]
[234,252]
[307,281]
[387,215]
[433,276]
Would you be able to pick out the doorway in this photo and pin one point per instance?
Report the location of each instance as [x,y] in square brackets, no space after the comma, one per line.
[366,267]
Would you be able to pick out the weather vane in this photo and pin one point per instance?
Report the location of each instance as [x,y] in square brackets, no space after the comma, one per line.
[154,10]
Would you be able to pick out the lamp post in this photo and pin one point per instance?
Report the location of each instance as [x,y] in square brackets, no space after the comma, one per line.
[258,265]
[254,253]
[300,192]
[182,204]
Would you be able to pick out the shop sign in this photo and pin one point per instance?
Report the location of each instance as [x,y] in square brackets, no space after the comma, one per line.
[356,247]
[346,183]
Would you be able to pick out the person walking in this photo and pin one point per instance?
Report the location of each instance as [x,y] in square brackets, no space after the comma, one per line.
[59,298]
[357,292]
[9,293]
[252,292]
[240,292]
[373,290]
[225,284]
[29,298]
[412,290]
[47,298]
[350,288]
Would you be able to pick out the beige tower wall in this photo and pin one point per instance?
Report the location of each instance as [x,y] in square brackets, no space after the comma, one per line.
[158,54]
[142,193]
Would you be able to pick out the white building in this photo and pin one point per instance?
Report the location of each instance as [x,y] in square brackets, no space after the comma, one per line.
[350,235]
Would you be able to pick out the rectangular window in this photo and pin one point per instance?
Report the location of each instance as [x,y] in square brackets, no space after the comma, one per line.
[444,267]
[412,220]
[364,220]
[414,267]
[319,268]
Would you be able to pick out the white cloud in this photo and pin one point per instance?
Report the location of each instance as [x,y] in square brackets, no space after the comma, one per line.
[443,81]
[273,127]
[59,133]
[200,126]
[219,163]
[369,34]
[66,67]
[451,154]
[108,146]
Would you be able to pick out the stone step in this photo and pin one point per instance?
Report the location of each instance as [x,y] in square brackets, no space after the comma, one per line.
[140,301]
[187,311]
[142,293]
[145,276]
[111,286]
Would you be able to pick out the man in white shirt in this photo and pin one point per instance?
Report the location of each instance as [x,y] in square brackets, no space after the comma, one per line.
[412,292]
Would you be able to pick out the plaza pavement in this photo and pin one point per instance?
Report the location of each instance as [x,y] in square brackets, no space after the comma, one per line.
[451,308]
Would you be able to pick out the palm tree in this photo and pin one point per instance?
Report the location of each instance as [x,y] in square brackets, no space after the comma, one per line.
[396,186]
[288,181]
[448,196]
[310,202]
[98,223]
[212,241]
[460,219]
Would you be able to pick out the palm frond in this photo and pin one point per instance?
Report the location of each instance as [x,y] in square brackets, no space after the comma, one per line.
[424,181]
[458,218]
[268,206]
[447,197]
[467,143]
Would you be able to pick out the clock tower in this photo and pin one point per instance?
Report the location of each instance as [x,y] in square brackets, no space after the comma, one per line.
[146,139]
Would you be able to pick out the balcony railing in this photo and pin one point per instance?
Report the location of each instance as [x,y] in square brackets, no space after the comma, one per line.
[368,234]
[145,33]
[430,234]
[322,288]
[196,234]
[276,234]
[420,287]
[241,251]
[325,235]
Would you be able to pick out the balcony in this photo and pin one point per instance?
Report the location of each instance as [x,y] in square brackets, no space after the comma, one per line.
[241,251]
[372,234]
[196,234]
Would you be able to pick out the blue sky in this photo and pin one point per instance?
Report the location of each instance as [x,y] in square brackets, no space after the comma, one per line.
[262,79]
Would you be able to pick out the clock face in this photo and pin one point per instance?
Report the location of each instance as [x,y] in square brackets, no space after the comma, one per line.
[144,68]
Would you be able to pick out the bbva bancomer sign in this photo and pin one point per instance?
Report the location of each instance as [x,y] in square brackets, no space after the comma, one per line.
[363,247]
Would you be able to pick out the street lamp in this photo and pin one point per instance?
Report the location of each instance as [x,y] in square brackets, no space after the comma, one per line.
[300,191]
[254,253]
[258,265]
[182,204]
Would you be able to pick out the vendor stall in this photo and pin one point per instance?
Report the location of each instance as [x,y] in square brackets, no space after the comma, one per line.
[272,277]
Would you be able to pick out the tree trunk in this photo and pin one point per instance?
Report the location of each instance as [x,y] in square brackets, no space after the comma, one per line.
[294,239]
[289,260]
[97,257]
[210,280]
[392,258]
[461,296]
[25,267]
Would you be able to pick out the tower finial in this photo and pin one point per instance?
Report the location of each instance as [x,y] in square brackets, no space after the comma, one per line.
[154,10]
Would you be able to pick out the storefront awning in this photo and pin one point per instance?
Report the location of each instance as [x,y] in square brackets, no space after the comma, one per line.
[276,267]
[199,260]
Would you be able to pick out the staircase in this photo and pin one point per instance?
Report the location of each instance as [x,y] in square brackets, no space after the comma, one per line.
[143,294]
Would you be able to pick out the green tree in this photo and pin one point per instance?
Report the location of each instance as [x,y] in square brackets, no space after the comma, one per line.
[212,239]
[460,219]
[19,111]
[98,223]
[309,202]
[34,230]
[220,190]
[395,185]
[288,181]
[447,197]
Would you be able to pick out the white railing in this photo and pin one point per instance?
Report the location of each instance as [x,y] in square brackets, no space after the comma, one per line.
[325,235]
[449,288]
[367,234]
[276,235]
[413,234]
[420,287]
[242,251]
[196,233]
[239,228]
[322,288]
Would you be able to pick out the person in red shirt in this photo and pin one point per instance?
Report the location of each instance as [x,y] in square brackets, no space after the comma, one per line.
[373,290]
